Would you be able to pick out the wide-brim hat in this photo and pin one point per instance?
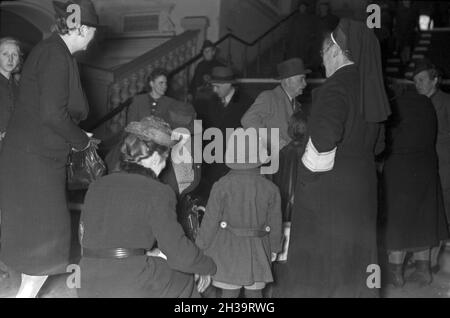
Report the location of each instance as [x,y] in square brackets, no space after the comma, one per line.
[87,10]
[152,129]
[241,153]
[222,75]
[291,67]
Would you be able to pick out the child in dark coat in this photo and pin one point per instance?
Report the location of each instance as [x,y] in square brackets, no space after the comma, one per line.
[241,229]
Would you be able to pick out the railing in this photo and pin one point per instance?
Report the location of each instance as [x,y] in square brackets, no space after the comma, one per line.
[132,75]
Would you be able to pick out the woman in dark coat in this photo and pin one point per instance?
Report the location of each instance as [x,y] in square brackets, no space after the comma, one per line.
[125,214]
[333,232]
[10,54]
[413,203]
[43,129]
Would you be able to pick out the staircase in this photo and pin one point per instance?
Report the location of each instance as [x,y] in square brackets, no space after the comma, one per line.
[434,45]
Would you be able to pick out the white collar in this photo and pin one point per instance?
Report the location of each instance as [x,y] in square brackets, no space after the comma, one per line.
[344,65]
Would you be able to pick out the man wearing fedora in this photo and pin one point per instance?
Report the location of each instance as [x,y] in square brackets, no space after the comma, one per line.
[273,108]
[223,111]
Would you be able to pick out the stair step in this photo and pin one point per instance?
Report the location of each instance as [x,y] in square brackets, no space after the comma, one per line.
[424,42]
[408,74]
[392,69]
[393,60]
[418,56]
[421,49]
[425,35]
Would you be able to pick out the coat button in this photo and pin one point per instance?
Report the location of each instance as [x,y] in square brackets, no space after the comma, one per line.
[223,224]
[267,228]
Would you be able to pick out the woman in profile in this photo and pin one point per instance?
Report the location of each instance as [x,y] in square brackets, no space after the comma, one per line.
[126,213]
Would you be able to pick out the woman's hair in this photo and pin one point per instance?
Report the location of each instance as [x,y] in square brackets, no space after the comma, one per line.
[157,72]
[16,42]
[134,149]
[297,126]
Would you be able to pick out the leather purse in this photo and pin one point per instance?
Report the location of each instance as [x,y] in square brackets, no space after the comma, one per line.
[190,214]
[84,167]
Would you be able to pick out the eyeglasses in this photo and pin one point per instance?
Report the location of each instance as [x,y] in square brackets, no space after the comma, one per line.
[322,52]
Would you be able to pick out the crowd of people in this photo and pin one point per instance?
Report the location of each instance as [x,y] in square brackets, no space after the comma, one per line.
[365,162]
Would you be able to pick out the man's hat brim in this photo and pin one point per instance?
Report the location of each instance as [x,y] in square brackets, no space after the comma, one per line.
[304,72]
[222,81]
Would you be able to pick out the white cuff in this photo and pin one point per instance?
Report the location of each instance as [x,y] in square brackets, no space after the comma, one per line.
[316,161]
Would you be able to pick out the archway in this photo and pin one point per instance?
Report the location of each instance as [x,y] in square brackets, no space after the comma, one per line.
[16,26]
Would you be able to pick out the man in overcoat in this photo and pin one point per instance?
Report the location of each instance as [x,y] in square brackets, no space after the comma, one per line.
[274,108]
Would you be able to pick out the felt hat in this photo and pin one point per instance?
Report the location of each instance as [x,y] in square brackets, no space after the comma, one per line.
[222,74]
[291,67]
[152,129]
[88,15]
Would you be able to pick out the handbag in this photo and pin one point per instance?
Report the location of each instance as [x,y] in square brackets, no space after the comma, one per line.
[84,167]
[190,215]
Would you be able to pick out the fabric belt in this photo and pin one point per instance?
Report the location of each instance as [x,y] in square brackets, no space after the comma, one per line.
[246,232]
[118,253]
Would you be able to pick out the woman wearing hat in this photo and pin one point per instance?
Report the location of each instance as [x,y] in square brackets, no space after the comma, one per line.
[43,129]
[126,213]
[427,80]
[412,198]
[333,230]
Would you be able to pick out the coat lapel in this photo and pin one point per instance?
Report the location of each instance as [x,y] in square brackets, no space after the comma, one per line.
[283,101]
